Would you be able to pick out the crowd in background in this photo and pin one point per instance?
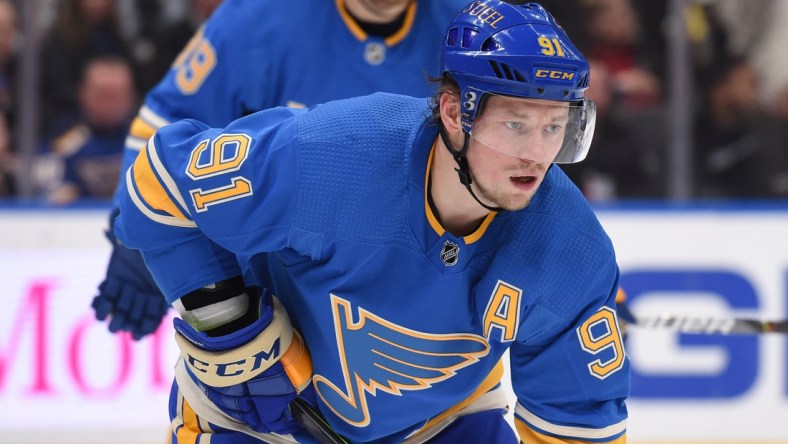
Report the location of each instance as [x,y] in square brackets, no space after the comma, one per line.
[97,58]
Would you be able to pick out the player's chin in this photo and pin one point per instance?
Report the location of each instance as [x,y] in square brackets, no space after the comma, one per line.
[521,195]
[515,202]
[511,206]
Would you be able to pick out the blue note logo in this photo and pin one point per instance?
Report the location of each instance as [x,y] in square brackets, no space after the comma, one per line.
[379,355]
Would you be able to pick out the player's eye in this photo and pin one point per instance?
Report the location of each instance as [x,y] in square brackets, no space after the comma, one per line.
[513,125]
[553,129]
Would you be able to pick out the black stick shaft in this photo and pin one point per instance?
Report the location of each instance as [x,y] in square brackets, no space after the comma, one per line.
[711,325]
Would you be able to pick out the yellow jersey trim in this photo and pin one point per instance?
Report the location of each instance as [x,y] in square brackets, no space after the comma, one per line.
[150,189]
[410,16]
[190,430]
[360,35]
[581,432]
[433,220]
[142,129]
[529,435]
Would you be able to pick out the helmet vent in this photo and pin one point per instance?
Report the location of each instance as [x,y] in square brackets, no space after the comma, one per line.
[451,38]
[490,45]
[583,82]
[467,37]
[504,71]
[461,37]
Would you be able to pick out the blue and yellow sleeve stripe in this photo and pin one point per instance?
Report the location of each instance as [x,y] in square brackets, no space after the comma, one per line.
[533,429]
[188,427]
[154,192]
[143,128]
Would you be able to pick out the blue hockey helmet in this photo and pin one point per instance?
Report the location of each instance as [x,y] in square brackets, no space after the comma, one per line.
[494,47]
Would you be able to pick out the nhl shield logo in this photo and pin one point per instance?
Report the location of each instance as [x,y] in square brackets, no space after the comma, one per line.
[374,53]
[449,253]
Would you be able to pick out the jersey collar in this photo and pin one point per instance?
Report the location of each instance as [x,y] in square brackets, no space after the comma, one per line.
[433,220]
[410,15]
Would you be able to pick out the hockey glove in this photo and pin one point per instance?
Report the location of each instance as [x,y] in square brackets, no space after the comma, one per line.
[624,313]
[128,294]
[252,374]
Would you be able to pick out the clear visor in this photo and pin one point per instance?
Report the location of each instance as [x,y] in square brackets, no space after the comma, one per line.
[542,131]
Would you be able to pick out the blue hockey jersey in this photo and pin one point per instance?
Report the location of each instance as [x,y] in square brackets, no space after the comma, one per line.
[247,57]
[403,319]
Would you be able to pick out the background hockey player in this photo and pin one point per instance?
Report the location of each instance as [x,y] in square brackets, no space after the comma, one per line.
[257,54]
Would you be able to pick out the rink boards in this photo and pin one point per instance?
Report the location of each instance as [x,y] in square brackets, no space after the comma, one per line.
[64,378]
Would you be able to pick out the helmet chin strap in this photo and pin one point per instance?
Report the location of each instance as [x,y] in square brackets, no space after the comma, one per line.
[464,171]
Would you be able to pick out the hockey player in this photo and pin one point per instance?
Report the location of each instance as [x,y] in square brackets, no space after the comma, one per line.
[257,54]
[410,241]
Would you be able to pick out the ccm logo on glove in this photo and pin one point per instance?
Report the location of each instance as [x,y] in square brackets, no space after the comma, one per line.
[230,367]
[237,367]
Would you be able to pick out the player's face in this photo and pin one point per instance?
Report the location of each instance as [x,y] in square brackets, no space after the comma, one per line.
[382,4]
[513,143]
[376,11]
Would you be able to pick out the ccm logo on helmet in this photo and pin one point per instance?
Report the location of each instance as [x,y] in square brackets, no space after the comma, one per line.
[553,74]
[238,367]
[484,12]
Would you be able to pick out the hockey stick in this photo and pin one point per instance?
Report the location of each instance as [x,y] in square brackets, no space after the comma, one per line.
[313,423]
[702,324]
[711,325]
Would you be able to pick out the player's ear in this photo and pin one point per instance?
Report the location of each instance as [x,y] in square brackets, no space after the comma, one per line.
[450,111]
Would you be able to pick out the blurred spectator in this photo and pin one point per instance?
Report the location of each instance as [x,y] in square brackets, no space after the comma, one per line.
[709,43]
[615,39]
[160,39]
[652,37]
[780,104]
[83,30]
[91,147]
[757,30]
[8,161]
[627,152]
[9,48]
[740,150]
[745,23]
